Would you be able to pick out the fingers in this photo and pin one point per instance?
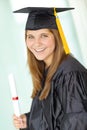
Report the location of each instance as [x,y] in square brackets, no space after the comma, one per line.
[19,122]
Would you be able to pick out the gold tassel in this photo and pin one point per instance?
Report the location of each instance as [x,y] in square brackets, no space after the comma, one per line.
[65,45]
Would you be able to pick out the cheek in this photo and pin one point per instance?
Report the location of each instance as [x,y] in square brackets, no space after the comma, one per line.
[28,45]
[52,49]
[51,45]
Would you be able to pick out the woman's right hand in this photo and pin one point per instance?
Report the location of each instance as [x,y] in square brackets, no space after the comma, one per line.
[20,122]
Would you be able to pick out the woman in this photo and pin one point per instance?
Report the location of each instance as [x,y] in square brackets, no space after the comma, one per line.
[59,80]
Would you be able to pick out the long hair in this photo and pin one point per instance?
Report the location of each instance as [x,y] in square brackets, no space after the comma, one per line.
[37,67]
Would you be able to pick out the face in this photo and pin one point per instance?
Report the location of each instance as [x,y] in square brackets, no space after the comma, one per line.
[42,44]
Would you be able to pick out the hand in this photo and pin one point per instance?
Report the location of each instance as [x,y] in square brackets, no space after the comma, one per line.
[20,122]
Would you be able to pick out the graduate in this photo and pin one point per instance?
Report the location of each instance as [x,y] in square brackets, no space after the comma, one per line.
[59,79]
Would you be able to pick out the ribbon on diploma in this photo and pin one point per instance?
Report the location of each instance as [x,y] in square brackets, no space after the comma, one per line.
[14,98]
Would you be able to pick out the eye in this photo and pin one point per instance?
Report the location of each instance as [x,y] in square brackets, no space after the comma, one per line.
[44,35]
[30,36]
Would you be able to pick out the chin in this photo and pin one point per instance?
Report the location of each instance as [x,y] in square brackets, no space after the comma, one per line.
[40,58]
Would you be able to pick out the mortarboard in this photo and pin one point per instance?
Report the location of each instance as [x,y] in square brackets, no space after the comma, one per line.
[44,17]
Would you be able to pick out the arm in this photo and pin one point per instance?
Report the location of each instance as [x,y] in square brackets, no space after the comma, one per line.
[75,117]
[71,94]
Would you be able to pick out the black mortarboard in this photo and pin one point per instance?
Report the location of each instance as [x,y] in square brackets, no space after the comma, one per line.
[41,17]
[45,17]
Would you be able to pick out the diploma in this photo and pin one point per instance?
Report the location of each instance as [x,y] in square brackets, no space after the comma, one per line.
[14,94]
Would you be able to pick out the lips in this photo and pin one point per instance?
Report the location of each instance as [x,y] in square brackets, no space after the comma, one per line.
[40,49]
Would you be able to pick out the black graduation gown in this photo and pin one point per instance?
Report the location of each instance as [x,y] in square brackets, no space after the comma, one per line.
[66,106]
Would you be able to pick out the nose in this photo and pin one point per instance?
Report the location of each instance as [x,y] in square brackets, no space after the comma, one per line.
[37,42]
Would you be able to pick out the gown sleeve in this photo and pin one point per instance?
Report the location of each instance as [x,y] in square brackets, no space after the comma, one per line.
[27,116]
[72,97]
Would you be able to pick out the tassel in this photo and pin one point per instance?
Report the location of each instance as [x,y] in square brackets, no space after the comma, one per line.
[65,45]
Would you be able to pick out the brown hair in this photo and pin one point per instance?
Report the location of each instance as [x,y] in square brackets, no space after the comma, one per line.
[37,67]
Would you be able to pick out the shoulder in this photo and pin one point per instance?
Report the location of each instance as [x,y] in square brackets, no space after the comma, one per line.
[70,65]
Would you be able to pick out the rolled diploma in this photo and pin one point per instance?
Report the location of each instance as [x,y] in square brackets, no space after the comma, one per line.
[14,94]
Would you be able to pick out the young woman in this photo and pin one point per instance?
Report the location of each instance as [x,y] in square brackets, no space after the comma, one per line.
[59,80]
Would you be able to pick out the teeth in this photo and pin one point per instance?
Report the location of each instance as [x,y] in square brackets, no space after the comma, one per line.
[41,49]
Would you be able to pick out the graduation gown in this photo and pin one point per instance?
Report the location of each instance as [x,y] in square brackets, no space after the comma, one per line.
[66,106]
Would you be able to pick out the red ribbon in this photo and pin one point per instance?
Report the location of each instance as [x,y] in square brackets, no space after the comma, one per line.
[15,98]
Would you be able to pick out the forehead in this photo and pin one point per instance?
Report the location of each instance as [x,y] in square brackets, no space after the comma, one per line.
[38,31]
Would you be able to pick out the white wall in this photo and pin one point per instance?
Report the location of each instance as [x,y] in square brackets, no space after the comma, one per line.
[80,23]
[12,59]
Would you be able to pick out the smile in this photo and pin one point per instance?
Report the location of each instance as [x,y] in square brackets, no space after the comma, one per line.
[40,49]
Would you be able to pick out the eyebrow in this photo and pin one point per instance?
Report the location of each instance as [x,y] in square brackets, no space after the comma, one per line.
[46,33]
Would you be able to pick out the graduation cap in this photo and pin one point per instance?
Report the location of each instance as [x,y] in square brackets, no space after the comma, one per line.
[44,17]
